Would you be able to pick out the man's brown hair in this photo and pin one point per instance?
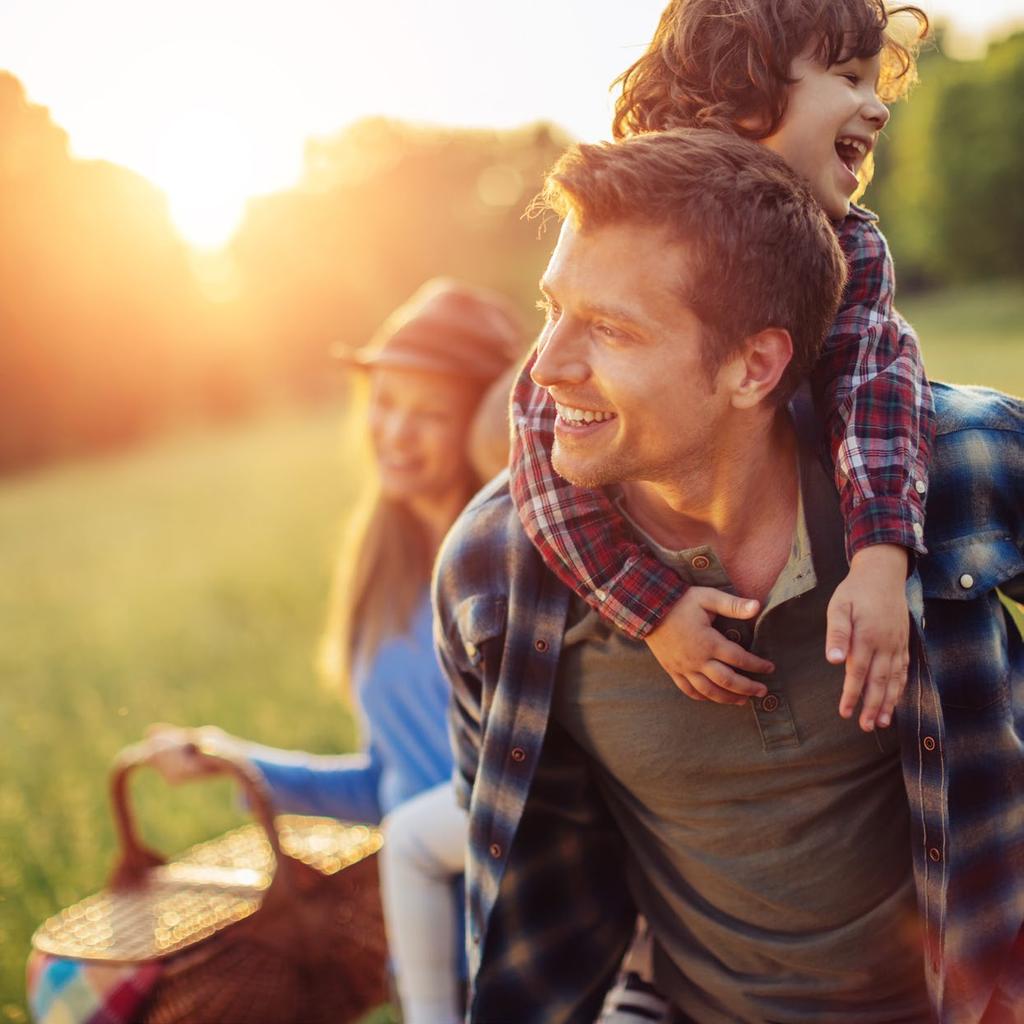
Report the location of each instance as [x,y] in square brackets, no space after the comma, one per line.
[725,64]
[759,250]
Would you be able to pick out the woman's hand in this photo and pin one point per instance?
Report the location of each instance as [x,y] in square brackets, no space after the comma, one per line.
[182,754]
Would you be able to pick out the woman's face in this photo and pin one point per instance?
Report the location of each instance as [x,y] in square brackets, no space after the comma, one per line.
[419,425]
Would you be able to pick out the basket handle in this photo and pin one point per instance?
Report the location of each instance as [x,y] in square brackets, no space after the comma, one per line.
[135,859]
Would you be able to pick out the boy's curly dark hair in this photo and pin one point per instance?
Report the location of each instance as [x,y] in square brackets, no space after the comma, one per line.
[725,64]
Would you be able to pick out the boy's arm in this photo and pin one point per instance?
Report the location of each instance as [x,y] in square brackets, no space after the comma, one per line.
[872,394]
[578,532]
[876,405]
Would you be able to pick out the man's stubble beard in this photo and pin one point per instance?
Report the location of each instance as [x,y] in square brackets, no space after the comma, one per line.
[622,467]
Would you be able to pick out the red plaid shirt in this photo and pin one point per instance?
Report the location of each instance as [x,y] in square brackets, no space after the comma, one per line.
[876,407]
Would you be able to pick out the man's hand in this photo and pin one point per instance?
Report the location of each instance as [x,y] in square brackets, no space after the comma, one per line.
[700,661]
[868,628]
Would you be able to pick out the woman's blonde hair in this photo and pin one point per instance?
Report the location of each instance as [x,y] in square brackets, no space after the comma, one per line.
[387,553]
[382,568]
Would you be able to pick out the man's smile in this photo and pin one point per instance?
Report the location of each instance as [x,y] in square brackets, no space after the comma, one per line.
[575,416]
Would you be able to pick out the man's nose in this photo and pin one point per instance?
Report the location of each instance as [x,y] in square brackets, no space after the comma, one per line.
[559,357]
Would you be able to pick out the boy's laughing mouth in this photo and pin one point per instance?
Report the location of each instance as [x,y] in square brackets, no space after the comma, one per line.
[853,150]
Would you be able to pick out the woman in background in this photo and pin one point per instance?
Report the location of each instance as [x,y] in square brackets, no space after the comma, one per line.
[428,370]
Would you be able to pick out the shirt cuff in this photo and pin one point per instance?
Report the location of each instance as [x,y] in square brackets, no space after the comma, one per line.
[639,597]
[884,520]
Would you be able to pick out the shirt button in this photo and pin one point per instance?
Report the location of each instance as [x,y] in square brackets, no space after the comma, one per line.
[918,530]
[495,851]
[471,648]
[734,635]
[518,755]
[769,703]
[928,742]
[967,581]
[920,487]
[541,645]
[601,595]
[935,854]
[701,562]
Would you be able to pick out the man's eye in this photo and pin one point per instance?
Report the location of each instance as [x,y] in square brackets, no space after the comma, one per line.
[607,331]
[851,77]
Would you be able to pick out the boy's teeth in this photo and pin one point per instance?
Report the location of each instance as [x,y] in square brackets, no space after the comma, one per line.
[854,143]
[571,415]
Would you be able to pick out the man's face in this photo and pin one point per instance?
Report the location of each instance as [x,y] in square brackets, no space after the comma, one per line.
[833,117]
[622,358]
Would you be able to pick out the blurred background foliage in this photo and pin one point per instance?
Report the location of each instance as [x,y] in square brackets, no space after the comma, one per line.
[947,184]
[112,328]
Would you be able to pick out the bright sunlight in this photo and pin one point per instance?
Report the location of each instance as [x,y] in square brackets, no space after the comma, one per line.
[207,167]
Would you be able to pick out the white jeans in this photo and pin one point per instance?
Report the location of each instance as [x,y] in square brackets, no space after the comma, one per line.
[424,849]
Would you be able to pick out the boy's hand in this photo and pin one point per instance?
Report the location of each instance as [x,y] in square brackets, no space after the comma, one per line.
[700,661]
[868,628]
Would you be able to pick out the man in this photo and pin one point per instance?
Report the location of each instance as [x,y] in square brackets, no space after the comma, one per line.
[791,866]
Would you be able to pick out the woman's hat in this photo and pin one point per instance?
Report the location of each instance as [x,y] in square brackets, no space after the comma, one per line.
[447,327]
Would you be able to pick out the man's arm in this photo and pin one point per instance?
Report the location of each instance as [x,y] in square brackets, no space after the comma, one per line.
[464,713]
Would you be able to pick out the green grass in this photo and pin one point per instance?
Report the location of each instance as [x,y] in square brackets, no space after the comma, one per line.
[186,583]
[973,335]
[183,583]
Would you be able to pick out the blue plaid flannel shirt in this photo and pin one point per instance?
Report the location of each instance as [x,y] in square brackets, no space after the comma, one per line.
[549,914]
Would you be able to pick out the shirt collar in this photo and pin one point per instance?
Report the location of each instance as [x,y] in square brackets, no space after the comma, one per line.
[700,566]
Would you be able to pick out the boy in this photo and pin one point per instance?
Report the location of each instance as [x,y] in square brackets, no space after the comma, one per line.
[804,80]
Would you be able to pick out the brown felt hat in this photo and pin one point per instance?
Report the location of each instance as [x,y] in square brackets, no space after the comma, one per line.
[447,327]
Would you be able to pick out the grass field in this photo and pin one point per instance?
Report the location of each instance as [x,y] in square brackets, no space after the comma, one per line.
[186,583]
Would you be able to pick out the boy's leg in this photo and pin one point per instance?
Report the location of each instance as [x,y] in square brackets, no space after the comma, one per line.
[423,853]
[633,999]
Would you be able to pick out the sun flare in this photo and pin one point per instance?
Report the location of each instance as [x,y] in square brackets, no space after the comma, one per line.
[208,170]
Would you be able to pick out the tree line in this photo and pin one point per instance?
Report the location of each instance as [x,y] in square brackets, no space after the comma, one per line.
[111,328]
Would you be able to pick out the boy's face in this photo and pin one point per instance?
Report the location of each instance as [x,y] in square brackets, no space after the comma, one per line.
[833,117]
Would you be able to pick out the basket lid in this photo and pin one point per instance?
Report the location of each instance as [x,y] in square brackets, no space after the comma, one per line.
[205,889]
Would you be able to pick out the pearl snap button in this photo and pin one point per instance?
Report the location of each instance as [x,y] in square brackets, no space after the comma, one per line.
[967,581]
[919,486]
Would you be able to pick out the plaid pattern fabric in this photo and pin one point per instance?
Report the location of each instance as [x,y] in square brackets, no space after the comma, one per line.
[64,991]
[548,913]
[875,403]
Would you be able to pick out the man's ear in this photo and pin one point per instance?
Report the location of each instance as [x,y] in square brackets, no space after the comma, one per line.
[759,366]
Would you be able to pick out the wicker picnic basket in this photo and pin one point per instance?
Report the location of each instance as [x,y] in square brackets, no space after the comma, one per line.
[275,922]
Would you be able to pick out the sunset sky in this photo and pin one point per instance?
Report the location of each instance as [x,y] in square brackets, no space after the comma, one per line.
[213,100]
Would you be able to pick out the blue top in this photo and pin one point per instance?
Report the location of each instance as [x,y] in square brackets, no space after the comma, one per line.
[402,706]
